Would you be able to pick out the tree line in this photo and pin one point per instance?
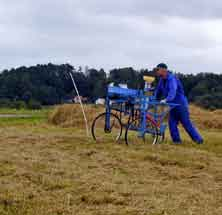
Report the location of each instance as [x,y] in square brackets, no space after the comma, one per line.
[51,84]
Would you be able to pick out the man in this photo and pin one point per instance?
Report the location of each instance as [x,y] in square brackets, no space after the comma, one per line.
[171,89]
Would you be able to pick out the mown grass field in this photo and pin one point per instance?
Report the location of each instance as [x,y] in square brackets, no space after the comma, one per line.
[53,170]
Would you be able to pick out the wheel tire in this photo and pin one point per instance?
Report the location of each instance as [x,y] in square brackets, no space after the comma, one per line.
[98,128]
[132,134]
[162,138]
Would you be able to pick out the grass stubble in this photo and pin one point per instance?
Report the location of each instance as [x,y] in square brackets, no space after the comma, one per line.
[47,169]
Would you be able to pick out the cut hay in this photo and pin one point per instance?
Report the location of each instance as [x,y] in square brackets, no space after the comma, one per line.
[71,116]
[206,119]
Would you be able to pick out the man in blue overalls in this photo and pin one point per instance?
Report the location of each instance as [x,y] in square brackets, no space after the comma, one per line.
[171,89]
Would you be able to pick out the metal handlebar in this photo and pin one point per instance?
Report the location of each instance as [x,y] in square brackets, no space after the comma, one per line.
[163,104]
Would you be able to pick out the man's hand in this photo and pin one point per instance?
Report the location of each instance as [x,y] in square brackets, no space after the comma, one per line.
[163,101]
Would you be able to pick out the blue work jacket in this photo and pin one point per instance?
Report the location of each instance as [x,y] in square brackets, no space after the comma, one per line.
[171,89]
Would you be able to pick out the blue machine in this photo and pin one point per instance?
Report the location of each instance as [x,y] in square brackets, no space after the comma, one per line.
[141,115]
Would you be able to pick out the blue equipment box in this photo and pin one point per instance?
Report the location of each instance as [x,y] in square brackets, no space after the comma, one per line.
[122,92]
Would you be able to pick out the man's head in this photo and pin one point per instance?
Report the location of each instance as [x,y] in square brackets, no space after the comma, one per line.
[161,70]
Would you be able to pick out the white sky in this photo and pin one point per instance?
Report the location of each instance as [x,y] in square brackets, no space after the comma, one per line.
[187,35]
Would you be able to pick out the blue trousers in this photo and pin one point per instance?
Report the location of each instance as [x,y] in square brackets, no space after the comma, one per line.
[181,115]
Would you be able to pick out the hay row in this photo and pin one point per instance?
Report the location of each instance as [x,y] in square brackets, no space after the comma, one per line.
[70,116]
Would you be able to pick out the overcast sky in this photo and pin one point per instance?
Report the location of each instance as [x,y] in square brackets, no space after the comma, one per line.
[185,34]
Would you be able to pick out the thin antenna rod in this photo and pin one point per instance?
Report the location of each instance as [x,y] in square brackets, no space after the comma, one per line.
[80,102]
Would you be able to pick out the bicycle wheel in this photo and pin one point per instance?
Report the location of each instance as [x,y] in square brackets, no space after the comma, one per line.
[99,131]
[133,136]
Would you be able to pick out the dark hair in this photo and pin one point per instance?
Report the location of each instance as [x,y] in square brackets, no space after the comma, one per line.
[162,66]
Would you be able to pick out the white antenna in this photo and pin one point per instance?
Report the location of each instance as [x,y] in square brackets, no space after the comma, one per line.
[80,102]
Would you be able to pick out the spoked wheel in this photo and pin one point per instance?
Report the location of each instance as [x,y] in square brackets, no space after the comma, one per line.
[133,136]
[99,131]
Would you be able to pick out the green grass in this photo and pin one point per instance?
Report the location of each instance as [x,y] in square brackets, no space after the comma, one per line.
[49,170]
[24,111]
[23,116]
